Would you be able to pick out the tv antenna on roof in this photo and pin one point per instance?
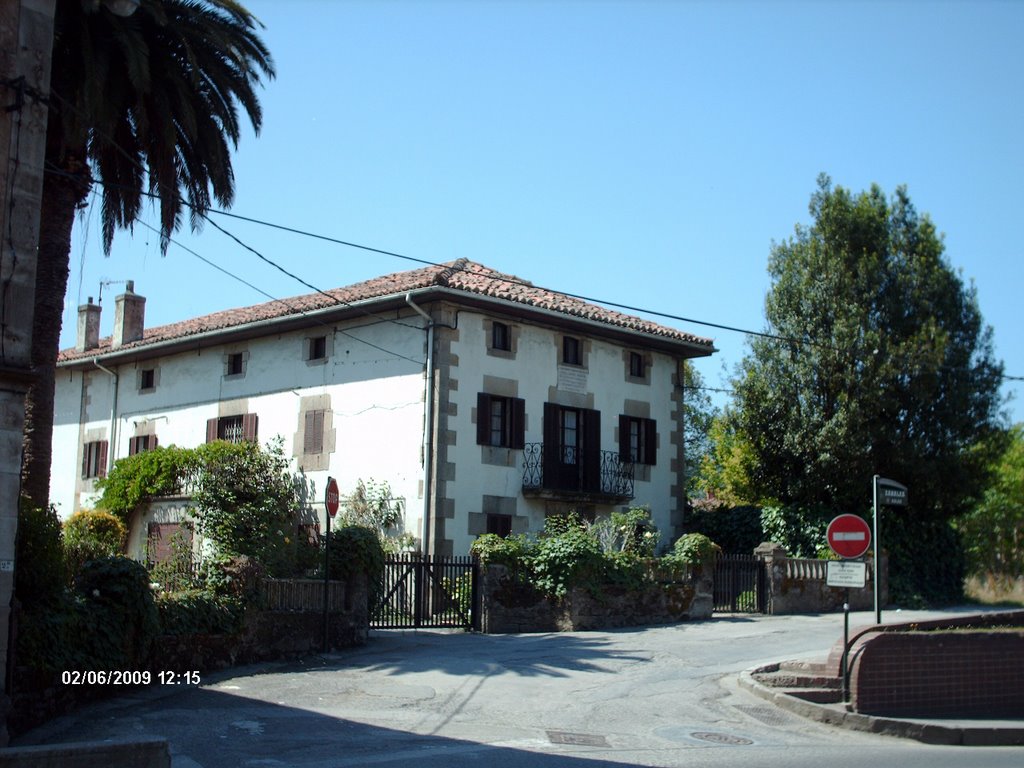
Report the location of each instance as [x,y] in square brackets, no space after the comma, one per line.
[129,284]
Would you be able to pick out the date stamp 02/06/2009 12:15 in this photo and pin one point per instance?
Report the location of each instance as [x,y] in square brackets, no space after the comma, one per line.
[129,677]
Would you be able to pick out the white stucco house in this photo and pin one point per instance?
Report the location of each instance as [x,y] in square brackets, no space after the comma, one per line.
[485,402]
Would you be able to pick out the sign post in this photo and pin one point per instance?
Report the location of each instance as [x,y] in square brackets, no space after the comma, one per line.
[331,500]
[889,493]
[849,537]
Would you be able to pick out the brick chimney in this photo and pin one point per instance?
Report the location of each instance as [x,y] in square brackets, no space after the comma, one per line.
[129,316]
[88,326]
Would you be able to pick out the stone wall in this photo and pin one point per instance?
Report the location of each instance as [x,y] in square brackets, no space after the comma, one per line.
[799,586]
[511,606]
[288,624]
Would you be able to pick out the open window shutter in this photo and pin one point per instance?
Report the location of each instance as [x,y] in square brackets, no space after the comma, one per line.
[483,418]
[152,442]
[133,446]
[85,460]
[101,470]
[592,450]
[249,425]
[552,445]
[650,441]
[624,438]
[518,429]
[211,430]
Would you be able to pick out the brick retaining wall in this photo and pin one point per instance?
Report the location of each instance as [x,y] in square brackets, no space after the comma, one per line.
[978,673]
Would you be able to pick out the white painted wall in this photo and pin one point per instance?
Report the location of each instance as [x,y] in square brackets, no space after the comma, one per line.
[376,399]
[377,402]
[535,367]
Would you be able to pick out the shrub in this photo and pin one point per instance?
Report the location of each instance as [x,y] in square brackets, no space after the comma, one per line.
[567,559]
[40,574]
[134,479]
[356,549]
[512,551]
[631,531]
[91,535]
[236,577]
[119,599]
[372,505]
[737,530]
[693,549]
[801,530]
[199,612]
[246,502]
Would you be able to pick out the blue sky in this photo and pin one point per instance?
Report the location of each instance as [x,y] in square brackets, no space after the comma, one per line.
[645,153]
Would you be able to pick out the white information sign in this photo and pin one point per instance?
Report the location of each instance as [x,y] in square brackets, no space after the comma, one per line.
[846,573]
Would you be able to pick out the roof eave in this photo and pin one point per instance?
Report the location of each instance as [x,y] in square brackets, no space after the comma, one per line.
[284,323]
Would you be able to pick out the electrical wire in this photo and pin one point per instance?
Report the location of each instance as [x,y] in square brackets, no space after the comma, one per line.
[506,278]
[292,307]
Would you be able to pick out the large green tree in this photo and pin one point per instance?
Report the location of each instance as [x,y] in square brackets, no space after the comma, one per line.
[993,528]
[141,105]
[881,364]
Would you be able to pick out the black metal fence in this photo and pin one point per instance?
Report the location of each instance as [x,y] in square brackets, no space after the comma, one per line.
[740,584]
[419,591]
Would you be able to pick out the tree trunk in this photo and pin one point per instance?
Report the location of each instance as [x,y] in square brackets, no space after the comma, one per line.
[63,191]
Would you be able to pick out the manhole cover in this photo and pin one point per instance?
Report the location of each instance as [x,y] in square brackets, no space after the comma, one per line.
[577,739]
[766,714]
[721,738]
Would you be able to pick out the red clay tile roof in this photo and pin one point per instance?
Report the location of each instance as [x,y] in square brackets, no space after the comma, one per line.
[460,275]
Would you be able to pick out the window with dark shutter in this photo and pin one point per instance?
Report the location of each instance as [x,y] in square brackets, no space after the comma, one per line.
[313,435]
[501,337]
[572,448]
[236,364]
[638,440]
[572,351]
[141,443]
[500,421]
[249,425]
[317,348]
[147,379]
[94,459]
[234,429]
[637,369]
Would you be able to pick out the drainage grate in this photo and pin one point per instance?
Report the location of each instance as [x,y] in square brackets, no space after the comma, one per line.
[722,738]
[767,715]
[577,739]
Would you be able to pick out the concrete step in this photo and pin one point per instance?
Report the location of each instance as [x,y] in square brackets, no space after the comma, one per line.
[803,680]
[816,695]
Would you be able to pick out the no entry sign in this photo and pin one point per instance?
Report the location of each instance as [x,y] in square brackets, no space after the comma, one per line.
[849,536]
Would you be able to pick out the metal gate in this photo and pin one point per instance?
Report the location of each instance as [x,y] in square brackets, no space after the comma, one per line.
[740,585]
[418,591]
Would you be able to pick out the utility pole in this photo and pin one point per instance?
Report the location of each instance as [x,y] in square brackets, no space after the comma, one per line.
[26,41]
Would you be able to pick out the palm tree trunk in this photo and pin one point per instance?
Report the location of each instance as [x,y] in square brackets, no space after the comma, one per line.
[63,191]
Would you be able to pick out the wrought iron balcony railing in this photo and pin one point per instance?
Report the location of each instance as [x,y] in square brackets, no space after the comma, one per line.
[575,473]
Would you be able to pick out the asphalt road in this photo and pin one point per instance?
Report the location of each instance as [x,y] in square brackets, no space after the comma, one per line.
[662,696]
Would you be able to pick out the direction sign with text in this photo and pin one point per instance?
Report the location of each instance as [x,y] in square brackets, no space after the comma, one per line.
[891,493]
[852,575]
[849,536]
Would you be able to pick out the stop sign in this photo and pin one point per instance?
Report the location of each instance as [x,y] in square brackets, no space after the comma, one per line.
[849,536]
[332,497]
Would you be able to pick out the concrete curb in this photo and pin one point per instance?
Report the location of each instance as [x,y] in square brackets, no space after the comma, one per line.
[950,732]
[126,753]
